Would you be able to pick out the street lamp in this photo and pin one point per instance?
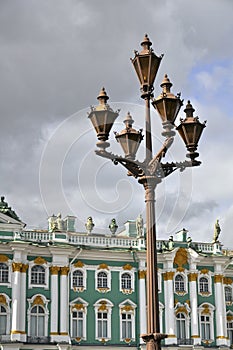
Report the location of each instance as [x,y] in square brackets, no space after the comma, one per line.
[152,170]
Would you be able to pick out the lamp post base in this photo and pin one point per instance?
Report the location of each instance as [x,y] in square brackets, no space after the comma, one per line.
[153,340]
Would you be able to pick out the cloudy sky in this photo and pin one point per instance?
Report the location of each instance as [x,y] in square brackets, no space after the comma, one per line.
[56,55]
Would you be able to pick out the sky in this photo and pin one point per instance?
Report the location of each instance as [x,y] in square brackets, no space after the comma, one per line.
[56,55]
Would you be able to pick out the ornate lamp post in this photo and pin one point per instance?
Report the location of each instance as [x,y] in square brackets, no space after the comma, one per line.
[152,170]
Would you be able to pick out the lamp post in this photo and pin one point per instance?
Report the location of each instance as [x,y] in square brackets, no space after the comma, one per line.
[152,170]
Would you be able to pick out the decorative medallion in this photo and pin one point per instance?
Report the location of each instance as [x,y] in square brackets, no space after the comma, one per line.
[3,299]
[3,258]
[79,264]
[103,266]
[229,318]
[103,306]
[40,261]
[127,291]
[181,257]
[182,309]
[204,271]
[103,290]
[127,308]
[78,339]
[127,340]
[79,306]
[180,269]
[206,310]
[38,301]
[127,267]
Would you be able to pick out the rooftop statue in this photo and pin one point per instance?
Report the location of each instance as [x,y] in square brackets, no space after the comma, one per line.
[89,224]
[217,231]
[5,209]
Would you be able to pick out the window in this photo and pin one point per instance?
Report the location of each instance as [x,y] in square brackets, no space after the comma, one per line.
[102,325]
[203,285]
[179,283]
[103,311]
[78,278]
[228,294]
[102,280]
[37,321]
[230,331]
[3,320]
[126,322]
[126,282]
[77,324]
[205,327]
[4,273]
[38,274]
[180,326]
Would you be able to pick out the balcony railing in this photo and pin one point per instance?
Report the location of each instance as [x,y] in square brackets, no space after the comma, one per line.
[38,340]
[185,341]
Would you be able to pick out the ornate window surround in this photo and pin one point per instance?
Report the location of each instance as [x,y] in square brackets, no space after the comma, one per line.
[79,304]
[127,307]
[228,302]
[38,300]
[108,273]
[207,309]
[185,278]
[84,272]
[131,274]
[185,310]
[103,305]
[5,260]
[207,275]
[5,302]
[40,262]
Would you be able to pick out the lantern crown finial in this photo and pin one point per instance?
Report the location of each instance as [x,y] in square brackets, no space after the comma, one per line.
[146,44]
[128,121]
[189,110]
[102,97]
[166,84]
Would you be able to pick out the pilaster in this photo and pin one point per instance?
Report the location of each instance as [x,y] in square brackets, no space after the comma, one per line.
[169,308]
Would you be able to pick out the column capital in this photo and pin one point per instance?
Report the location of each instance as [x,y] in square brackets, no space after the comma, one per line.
[24,268]
[64,270]
[16,267]
[192,277]
[142,274]
[54,270]
[168,275]
[218,278]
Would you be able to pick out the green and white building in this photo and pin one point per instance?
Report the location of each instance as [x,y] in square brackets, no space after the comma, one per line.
[62,289]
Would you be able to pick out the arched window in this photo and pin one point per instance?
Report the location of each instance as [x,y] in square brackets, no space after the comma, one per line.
[78,278]
[77,324]
[203,285]
[102,280]
[38,274]
[179,283]
[103,310]
[230,331]
[205,327]
[180,326]
[3,320]
[228,294]
[4,273]
[37,321]
[126,281]
[126,324]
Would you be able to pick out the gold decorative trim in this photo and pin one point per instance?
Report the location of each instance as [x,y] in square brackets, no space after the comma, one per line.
[192,277]
[127,267]
[182,309]
[187,302]
[54,270]
[229,318]
[103,306]
[227,280]
[206,310]
[127,291]
[180,269]
[17,332]
[204,271]
[79,306]
[24,268]
[64,270]
[142,274]
[3,299]
[181,257]
[221,337]
[16,267]
[3,258]
[127,308]
[171,336]
[79,264]
[103,290]
[103,266]
[195,336]
[78,339]
[205,294]
[168,276]
[127,340]
[40,261]
[218,278]
[54,333]
[38,301]
[63,333]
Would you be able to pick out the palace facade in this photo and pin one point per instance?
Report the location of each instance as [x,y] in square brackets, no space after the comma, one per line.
[62,289]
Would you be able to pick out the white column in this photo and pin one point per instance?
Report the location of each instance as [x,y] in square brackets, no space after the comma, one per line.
[142,301]
[221,336]
[64,307]
[54,303]
[193,304]
[169,308]
[16,302]
[23,302]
